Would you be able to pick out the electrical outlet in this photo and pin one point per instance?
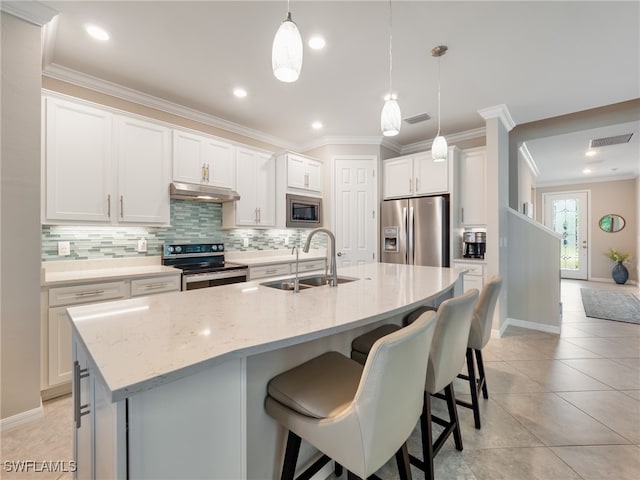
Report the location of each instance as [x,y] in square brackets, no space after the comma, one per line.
[142,245]
[245,242]
[286,241]
[64,248]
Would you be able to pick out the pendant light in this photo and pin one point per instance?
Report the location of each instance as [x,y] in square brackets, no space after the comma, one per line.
[390,118]
[439,149]
[286,54]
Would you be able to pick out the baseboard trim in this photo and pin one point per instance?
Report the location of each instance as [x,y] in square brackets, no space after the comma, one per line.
[610,280]
[22,418]
[529,325]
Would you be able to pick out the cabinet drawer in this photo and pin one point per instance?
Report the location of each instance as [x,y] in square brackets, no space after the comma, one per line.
[89,293]
[308,266]
[149,286]
[472,268]
[269,271]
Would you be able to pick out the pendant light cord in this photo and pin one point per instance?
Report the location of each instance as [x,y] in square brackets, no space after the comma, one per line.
[438,134]
[390,50]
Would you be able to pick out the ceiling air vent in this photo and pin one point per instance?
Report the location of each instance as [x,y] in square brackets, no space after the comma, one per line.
[606,141]
[423,117]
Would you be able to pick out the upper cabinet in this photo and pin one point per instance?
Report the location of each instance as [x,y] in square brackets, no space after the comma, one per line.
[256,183]
[301,172]
[473,195]
[101,167]
[201,159]
[414,175]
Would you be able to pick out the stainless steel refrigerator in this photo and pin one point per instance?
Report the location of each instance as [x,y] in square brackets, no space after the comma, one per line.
[415,231]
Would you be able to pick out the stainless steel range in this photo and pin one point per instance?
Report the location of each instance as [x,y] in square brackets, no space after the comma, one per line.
[203,265]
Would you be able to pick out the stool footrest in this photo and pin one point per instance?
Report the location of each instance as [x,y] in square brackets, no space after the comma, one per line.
[314,468]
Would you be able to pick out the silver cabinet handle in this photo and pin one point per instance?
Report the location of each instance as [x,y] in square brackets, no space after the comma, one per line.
[202,176]
[157,285]
[417,183]
[208,172]
[121,206]
[271,271]
[410,186]
[108,206]
[89,292]
[462,215]
[79,410]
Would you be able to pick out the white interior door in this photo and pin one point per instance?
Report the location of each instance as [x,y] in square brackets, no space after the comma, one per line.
[355,210]
[566,213]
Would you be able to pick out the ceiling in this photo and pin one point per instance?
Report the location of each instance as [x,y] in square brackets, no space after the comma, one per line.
[540,59]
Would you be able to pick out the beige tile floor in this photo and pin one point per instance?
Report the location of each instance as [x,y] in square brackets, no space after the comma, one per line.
[560,407]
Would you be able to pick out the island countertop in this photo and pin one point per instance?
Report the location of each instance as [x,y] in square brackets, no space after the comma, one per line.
[140,343]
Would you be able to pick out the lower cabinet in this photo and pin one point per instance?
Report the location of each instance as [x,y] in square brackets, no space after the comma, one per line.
[189,428]
[474,278]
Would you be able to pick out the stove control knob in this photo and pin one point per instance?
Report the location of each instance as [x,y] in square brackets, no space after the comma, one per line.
[214,248]
[170,249]
[178,249]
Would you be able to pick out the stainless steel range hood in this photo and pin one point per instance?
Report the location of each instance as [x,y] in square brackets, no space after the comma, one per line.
[202,193]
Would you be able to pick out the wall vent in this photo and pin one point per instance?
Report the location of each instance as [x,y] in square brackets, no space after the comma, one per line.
[423,117]
[606,141]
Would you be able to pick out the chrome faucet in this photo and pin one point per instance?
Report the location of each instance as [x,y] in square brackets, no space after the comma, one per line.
[332,239]
[296,284]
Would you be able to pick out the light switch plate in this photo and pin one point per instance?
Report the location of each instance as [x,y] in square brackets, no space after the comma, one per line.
[286,241]
[142,245]
[245,242]
[64,248]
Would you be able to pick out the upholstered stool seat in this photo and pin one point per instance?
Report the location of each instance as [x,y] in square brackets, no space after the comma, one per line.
[359,416]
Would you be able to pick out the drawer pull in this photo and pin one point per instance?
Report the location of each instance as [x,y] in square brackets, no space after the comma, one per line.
[90,292]
[157,285]
[272,270]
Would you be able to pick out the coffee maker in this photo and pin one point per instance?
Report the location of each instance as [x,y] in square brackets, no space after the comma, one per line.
[475,244]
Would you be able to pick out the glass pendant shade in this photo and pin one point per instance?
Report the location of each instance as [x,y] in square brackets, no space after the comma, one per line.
[390,118]
[439,150]
[286,55]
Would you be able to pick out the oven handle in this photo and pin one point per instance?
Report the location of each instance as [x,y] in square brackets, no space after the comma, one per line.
[200,277]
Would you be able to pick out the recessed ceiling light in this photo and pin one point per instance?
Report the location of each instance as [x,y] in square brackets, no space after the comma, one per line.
[97,32]
[590,153]
[316,125]
[586,170]
[239,92]
[317,43]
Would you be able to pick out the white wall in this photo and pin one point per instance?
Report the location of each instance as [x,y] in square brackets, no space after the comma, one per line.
[20,218]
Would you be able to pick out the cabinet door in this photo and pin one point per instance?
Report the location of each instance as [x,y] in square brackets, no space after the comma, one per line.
[303,173]
[78,158]
[188,162]
[398,177]
[83,445]
[60,354]
[265,175]
[144,169]
[430,177]
[246,209]
[219,160]
[473,188]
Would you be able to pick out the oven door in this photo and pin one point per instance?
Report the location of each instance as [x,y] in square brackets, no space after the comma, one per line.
[213,279]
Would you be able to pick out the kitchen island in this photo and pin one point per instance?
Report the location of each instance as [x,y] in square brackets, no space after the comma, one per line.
[174,384]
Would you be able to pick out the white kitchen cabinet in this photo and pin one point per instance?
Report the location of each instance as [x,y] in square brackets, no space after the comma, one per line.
[256,183]
[102,167]
[144,171]
[201,159]
[301,172]
[271,270]
[153,285]
[473,194]
[78,162]
[474,278]
[414,175]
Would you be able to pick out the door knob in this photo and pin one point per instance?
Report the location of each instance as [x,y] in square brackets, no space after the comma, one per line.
[339,254]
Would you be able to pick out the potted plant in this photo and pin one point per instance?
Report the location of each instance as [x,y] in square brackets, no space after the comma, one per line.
[619,273]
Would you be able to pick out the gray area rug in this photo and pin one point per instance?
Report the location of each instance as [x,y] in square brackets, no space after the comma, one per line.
[618,306]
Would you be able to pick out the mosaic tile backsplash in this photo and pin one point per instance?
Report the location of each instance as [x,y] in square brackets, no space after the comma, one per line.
[191,222]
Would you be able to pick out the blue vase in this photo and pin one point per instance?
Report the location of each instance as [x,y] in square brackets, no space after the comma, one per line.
[620,273]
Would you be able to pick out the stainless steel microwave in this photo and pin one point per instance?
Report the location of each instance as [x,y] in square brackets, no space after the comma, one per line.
[303,211]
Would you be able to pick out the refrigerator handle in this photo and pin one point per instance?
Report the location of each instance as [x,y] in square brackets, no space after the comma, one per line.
[405,229]
[410,242]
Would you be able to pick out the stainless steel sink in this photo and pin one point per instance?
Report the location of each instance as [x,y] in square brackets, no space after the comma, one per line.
[319,280]
[305,282]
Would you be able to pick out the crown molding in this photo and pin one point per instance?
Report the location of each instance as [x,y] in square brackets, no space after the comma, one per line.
[531,163]
[340,140]
[580,181]
[93,83]
[32,12]
[499,111]
[451,140]
[391,145]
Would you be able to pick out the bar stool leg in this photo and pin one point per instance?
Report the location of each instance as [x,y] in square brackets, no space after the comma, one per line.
[291,456]
[473,384]
[402,459]
[337,469]
[427,440]
[453,415]
[482,378]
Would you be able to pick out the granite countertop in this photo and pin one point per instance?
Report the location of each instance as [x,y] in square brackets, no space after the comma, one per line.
[269,257]
[82,271]
[140,343]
